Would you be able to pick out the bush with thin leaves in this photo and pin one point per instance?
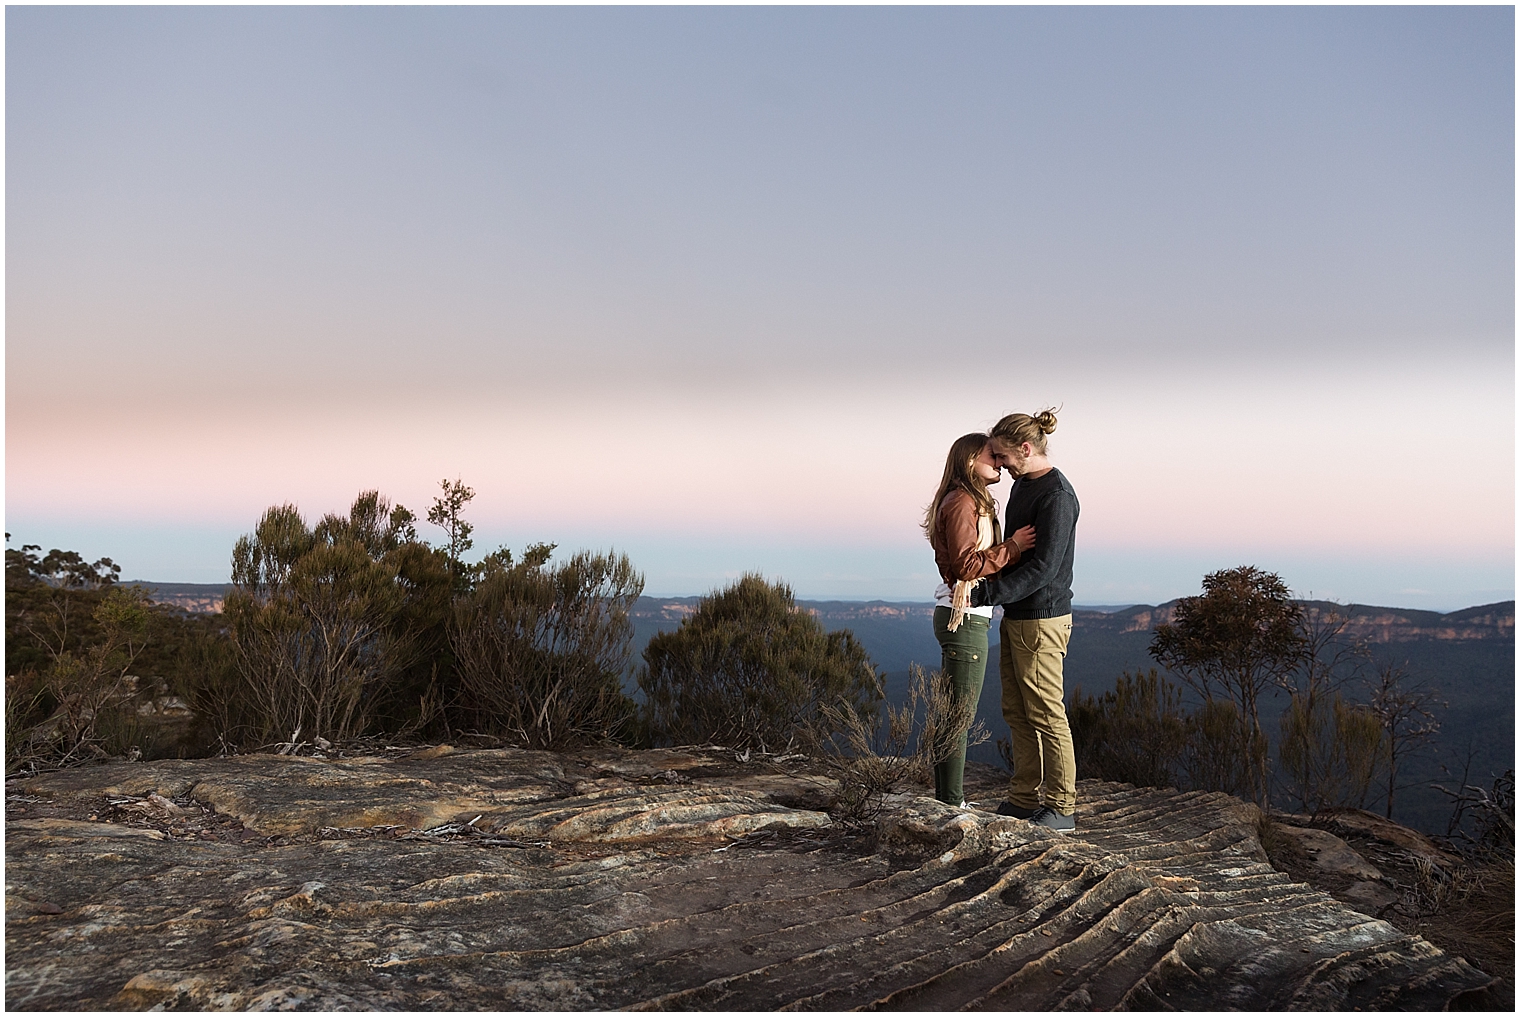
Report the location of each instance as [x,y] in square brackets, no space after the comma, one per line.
[1223,750]
[750,669]
[541,649]
[872,760]
[321,620]
[82,705]
[1329,751]
[1136,734]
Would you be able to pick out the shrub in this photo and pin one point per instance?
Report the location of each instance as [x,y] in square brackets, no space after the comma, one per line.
[1140,734]
[324,620]
[1136,734]
[541,651]
[1329,751]
[1223,750]
[873,760]
[750,669]
[76,643]
[83,702]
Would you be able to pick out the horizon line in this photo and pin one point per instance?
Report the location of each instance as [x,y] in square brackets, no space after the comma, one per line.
[1108,608]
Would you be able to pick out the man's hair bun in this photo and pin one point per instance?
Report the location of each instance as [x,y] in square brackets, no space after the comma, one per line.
[1047,421]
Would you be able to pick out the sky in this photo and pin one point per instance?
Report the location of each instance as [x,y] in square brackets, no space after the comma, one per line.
[718,287]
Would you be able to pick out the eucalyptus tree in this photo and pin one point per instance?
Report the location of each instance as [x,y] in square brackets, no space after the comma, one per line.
[1232,644]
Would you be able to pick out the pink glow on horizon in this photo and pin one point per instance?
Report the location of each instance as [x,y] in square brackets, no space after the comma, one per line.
[840,468]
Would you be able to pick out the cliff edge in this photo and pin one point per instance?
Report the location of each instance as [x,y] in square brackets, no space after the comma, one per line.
[667,879]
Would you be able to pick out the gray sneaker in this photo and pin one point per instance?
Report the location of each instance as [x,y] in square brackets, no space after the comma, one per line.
[1050,819]
[1016,811]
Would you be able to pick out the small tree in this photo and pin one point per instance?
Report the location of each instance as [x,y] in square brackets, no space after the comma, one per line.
[1405,711]
[542,650]
[749,668]
[447,512]
[1235,641]
[1328,747]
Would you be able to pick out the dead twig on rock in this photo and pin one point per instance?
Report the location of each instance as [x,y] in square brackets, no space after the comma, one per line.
[452,832]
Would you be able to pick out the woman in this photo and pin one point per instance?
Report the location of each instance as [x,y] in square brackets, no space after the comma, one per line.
[961,524]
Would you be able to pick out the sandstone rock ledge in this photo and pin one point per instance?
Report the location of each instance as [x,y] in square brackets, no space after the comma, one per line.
[654,880]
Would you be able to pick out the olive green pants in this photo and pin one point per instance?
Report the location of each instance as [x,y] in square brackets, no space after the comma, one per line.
[963,659]
[1030,664]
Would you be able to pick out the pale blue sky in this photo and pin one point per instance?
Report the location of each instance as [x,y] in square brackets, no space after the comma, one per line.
[719,286]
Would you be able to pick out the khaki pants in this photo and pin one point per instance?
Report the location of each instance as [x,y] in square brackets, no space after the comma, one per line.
[1030,661]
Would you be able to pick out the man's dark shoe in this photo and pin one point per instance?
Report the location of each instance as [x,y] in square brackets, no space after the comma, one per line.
[1050,819]
[1016,811]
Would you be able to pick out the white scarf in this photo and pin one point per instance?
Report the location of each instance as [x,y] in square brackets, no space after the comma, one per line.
[960,597]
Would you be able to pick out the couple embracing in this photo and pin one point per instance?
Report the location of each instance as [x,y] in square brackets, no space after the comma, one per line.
[1029,575]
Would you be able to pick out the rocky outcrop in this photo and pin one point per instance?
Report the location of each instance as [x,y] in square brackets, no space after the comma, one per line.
[508,879]
[194,598]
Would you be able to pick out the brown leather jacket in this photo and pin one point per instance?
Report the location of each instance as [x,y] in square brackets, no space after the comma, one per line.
[955,538]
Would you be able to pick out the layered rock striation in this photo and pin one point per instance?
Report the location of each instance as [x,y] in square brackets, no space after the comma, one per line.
[507,879]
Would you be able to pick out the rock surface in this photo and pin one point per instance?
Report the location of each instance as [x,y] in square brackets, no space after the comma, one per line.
[1331,854]
[507,880]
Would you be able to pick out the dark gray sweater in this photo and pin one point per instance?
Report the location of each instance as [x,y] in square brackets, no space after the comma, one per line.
[1038,585]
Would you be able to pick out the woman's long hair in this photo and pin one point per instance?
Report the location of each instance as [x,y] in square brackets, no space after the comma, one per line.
[960,472]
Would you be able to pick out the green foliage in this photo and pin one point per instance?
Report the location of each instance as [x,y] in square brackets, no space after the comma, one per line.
[447,513]
[542,649]
[1224,750]
[50,603]
[82,703]
[1140,734]
[327,622]
[750,669]
[1136,734]
[1329,751]
[333,631]
[1240,638]
[76,643]
[64,622]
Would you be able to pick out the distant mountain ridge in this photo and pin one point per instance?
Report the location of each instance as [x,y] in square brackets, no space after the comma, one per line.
[197,598]
[1374,623]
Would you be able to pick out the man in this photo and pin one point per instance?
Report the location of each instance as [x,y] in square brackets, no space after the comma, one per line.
[1036,596]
